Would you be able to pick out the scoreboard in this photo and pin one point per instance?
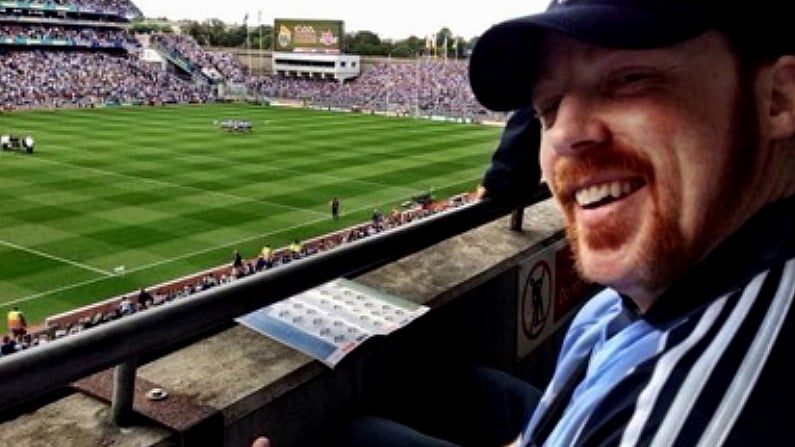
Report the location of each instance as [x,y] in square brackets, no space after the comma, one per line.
[308,36]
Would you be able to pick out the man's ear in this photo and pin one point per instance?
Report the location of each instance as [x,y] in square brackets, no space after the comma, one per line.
[782,100]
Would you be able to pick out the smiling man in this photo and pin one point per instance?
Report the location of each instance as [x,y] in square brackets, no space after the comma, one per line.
[667,136]
[668,140]
[649,175]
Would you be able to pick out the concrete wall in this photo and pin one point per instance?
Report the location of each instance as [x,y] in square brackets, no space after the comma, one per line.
[247,385]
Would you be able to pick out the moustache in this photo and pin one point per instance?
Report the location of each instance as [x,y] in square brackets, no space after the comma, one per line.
[571,172]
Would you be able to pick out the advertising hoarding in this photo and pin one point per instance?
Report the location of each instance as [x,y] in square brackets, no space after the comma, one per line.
[308,36]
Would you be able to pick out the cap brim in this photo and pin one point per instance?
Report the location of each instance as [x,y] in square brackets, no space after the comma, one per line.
[506,56]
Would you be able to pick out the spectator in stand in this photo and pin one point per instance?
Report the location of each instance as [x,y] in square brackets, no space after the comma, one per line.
[378,220]
[394,217]
[261,263]
[17,324]
[237,264]
[9,345]
[296,249]
[25,342]
[126,306]
[144,299]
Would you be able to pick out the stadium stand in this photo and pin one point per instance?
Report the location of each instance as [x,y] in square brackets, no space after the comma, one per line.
[215,66]
[427,86]
[74,36]
[42,78]
[48,49]
[430,86]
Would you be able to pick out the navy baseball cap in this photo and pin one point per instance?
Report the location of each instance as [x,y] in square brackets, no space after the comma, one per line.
[503,60]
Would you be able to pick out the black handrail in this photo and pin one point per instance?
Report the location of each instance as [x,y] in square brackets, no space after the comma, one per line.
[30,373]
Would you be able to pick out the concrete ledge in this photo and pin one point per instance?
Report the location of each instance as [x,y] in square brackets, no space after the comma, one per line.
[80,421]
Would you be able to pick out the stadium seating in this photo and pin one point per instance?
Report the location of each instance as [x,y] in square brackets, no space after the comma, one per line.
[39,78]
[430,86]
[48,48]
[45,52]
[213,65]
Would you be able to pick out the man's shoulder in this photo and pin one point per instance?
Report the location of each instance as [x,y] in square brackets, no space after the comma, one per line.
[589,321]
[601,306]
[744,358]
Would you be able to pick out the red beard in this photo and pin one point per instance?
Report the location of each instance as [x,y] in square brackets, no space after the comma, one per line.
[665,254]
[666,242]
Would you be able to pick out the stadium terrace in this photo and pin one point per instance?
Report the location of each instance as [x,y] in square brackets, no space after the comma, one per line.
[83,54]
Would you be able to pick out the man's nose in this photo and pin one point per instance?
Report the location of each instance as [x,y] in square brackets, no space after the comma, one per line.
[577,126]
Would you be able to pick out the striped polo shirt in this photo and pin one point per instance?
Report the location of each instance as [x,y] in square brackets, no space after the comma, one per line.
[709,364]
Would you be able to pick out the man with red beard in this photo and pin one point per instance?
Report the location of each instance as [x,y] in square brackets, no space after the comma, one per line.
[667,136]
[668,141]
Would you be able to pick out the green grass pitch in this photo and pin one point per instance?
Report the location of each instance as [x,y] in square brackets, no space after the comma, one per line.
[165,193]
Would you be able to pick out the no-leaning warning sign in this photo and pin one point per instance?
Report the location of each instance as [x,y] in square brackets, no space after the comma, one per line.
[537,299]
[549,289]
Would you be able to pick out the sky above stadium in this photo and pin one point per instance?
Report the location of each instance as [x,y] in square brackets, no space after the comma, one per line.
[389,19]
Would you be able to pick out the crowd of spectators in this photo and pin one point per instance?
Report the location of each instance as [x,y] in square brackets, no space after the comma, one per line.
[88,37]
[11,345]
[18,338]
[214,64]
[436,86]
[57,79]
[186,49]
[229,66]
[37,78]
[430,86]
[295,88]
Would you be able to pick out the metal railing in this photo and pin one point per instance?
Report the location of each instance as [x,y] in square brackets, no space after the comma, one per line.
[33,372]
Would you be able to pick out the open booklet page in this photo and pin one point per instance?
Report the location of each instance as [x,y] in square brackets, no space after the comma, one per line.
[331,320]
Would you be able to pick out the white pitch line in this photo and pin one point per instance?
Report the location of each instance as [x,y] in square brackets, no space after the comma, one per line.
[188,255]
[55,258]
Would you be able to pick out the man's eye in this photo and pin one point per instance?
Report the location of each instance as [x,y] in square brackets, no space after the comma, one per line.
[631,82]
[546,113]
[633,77]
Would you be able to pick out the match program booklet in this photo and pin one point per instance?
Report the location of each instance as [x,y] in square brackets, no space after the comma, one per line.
[333,319]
